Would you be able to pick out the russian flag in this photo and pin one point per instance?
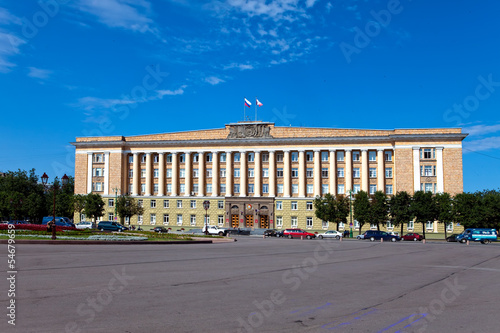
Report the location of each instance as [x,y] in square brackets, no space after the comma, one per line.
[259,104]
[247,102]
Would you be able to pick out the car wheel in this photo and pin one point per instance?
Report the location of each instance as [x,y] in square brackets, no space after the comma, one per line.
[448,240]
[102,229]
[221,233]
[415,239]
[338,237]
[308,237]
[372,239]
[290,236]
[320,237]
[393,239]
[463,241]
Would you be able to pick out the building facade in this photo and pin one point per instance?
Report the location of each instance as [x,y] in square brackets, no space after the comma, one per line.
[258,175]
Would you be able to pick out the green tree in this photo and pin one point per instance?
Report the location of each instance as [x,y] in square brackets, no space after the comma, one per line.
[399,209]
[332,208]
[94,206]
[361,206]
[423,208]
[490,209]
[127,206]
[444,210]
[467,209]
[78,204]
[379,209]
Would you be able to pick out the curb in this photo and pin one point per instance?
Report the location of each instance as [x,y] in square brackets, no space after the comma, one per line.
[82,242]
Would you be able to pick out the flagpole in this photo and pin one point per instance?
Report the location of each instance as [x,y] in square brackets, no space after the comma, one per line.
[244,112]
[255,108]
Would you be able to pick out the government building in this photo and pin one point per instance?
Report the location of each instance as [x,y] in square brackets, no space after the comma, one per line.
[258,175]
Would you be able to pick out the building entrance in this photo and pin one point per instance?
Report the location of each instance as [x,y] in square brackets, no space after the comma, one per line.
[235,221]
[249,221]
[264,222]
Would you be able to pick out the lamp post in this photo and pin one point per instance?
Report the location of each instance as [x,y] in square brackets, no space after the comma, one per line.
[45,180]
[350,213]
[206,205]
[116,190]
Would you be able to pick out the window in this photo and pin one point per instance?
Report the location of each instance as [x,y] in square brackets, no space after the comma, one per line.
[295,156]
[388,156]
[427,170]
[140,203]
[389,224]
[373,188]
[356,224]
[130,173]
[182,158]
[182,173]
[429,225]
[236,157]
[209,188]
[372,156]
[152,219]
[340,172]
[340,189]
[220,220]
[309,205]
[111,216]
[355,156]
[373,226]
[340,156]
[250,173]
[222,188]
[209,173]
[250,188]
[236,173]
[279,205]
[410,225]
[309,172]
[341,225]
[131,158]
[279,221]
[294,205]
[179,203]
[169,158]
[310,188]
[166,219]
[143,188]
[155,158]
[156,173]
[169,188]
[179,219]
[265,157]
[265,188]
[236,188]
[143,173]
[279,157]
[388,172]
[295,188]
[196,158]
[309,156]
[309,222]
[223,172]
[280,188]
[324,224]
[324,172]
[166,203]
[130,188]
[373,172]
[294,221]
[195,173]
[152,203]
[449,226]
[169,173]
[207,220]
[193,204]
[324,156]
[427,187]
[279,173]
[143,158]
[111,202]
[324,188]
[220,204]
[251,157]
[193,219]
[356,188]
[355,172]
[98,172]
[427,153]
[388,189]
[222,157]
[295,172]
[208,157]
[99,158]
[182,188]
[265,172]
[139,219]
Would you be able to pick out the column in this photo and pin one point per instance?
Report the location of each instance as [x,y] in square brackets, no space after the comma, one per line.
[89,172]
[317,173]
[439,170]
[365,181]
[286,174]
[201,176]
[106,173]
[136,174]
[333,172]
[229,174]
[416,169]
[175,174]
[302,174]
[348,171]
[243,174]
[188,178]
[161,174]
[380,170]
[215,174]
[272,173]
[257,175]
[147,193]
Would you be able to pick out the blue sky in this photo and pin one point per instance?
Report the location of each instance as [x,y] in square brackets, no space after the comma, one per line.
[71,68]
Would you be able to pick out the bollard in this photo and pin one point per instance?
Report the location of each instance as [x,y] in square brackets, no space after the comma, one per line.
[381,240]
[341,238]
[264,236]
[423,241]
[301,237]
[467,242]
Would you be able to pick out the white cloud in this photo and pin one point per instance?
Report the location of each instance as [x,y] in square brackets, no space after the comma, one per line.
[39,73]
[241,67]
[9,42]
[162,93]
[213,80]
[90,103]
[310,3]
[482,144]
[481,129]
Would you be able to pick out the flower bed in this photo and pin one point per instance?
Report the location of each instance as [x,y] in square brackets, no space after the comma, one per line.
[94,237]
[35,227]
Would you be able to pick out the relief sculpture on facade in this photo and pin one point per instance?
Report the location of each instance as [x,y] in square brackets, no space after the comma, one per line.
[249,131]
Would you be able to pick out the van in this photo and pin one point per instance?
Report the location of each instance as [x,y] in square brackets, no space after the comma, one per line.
[482,235]
[60,221]
[111,226]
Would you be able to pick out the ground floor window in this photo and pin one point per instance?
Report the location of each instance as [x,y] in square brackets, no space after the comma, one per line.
[166,219]
[139,219]
[356,224]
[429,225]
[373,226]
[309,222]
[449,226]
[324,224]
[220,220]
[153,219]
[294,221]
[410,225]
[279,221]
[193,219]
[179,219]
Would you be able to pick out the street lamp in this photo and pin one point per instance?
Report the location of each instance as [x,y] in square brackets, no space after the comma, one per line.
[206,205]
[45,180]
[350,213]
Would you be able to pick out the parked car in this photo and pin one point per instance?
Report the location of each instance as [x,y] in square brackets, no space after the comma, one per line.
[452,238]
[297,233]
[374,235]
[60,221]
[85,225]
[331,234]
[111,226]
[360,236]
[271,233]
[279,233]
[412,236]
[483,235]
[160,229]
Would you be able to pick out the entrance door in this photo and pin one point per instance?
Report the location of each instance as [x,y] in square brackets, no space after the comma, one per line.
[234,221]
[249,221]
[264,222]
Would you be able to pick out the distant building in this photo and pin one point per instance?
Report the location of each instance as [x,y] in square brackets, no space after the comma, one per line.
[257,175]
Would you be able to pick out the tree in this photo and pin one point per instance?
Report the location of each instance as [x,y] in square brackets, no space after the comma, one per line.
[78,204]
[423,208]
[379,209]
[127,206]
[94,206]
[490,209]
[444,211]
[466,209]
[361,206]
[399,209]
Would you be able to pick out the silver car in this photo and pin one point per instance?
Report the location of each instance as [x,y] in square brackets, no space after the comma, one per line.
[85,225]
[330,234]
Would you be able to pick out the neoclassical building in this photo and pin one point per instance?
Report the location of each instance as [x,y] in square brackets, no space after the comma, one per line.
[258,175]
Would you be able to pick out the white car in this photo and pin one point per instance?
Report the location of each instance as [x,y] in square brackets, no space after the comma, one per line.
[360,236]
[85,225]
[330,234]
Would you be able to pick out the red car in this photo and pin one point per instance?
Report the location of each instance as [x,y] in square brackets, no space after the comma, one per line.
[412,237]
[297,233]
